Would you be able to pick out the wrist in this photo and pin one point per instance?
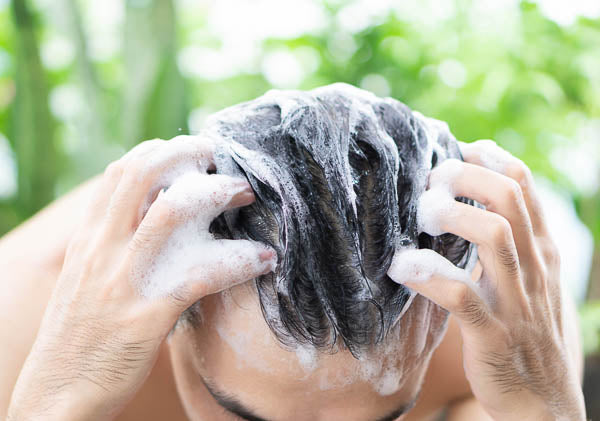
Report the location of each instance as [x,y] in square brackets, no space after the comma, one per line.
[73,403]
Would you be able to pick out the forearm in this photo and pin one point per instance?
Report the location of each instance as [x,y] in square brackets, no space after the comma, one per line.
[31,258]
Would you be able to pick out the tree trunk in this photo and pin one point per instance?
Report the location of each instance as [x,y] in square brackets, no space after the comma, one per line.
[32,127]
[154,103]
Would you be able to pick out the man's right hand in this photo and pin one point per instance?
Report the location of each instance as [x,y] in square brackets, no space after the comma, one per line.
[516,348]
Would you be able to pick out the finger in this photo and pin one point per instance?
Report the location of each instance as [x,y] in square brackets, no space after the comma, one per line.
[487,154]
[436,278]
[491,232]
[147,173]
[111,178]
[498,193]
[194,199]
[229,263]
[142,149]
[103,191]
[176,282]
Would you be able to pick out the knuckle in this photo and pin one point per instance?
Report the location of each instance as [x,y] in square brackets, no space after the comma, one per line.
[449,166]
[184,138]
[513,192]
[501,232]
[142,148]
[485,143]
[467,306]
[135,169]
[459,295]
[473,312]
[114,169]
[519,172]
[550,253]
[148,144]
[542,274]
[508,258]
[446,171]
[180,295]
[143,238]
[164,213]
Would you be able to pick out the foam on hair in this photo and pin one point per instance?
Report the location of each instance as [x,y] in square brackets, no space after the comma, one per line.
[337,174]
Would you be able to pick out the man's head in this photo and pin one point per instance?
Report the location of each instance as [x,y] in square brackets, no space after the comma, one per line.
[336,173]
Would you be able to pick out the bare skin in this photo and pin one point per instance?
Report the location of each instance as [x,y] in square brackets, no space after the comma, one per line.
[32,266]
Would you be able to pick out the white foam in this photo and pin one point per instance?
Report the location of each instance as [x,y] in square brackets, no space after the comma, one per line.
[240,342]
[180,155]
[419,265]
[432,204]
[190,254]
[433,128]
[307,357]
[491,155]
[387,365]
[439,200]
[389,382]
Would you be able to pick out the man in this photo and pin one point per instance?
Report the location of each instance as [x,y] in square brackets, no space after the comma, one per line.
[348,224]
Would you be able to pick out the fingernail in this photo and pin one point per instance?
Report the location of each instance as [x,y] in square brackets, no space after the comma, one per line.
[243,198]
[266,255]
[269,258]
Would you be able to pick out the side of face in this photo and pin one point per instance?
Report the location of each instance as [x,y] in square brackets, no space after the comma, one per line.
[232,356]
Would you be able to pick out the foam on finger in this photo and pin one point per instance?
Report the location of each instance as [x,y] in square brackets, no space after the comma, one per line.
[171,160]
[488,153]
[190,253]
[203,260]
[438,200]
[203,197]
[419,265]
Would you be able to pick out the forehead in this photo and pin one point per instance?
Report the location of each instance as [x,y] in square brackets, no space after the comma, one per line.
[233,341]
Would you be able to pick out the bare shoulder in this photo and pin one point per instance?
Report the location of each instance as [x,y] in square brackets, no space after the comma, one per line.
[30,261]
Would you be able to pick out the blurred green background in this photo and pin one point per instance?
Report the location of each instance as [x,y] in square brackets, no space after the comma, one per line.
[81,82]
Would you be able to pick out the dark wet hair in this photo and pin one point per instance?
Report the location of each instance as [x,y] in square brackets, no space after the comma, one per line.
[337,173]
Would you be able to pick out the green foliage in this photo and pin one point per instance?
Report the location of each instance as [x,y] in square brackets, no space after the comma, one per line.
[32,126]
[589,315]
[519,78]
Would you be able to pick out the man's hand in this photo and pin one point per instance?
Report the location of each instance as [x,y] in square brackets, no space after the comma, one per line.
[515,351]
[101,331]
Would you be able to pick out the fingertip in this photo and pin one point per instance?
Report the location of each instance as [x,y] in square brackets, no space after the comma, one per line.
[266,255]
[242,198]
[418,266]
[268,258]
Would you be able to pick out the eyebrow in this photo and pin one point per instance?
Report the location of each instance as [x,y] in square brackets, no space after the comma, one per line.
[229,402]
[232,404]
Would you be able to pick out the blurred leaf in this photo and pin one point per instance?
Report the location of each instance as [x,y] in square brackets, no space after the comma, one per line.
[154,95]
[589,315]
